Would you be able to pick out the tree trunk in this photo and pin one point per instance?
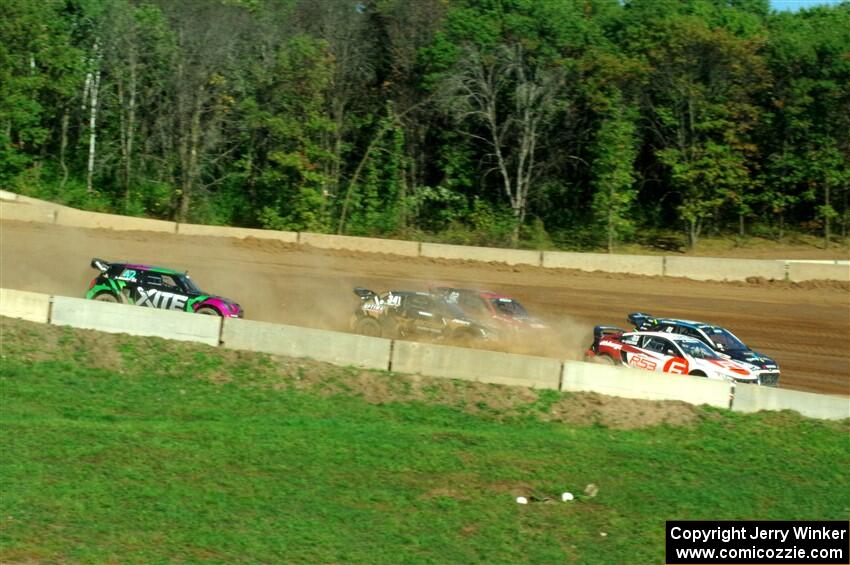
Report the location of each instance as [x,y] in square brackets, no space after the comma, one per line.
[694,228]
[95,87]
[610,220]
[781,226]
[190,162]
[741,225]
[127,148]
[63,145]
[827,216]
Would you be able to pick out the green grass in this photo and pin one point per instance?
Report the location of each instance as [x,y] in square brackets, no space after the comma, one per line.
[141,450]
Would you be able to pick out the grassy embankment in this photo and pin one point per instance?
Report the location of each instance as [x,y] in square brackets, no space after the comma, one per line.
[142,450]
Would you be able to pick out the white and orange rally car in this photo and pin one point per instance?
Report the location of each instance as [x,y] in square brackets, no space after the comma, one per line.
[667,353]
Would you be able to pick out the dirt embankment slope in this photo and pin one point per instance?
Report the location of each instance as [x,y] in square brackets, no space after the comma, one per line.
[805,327]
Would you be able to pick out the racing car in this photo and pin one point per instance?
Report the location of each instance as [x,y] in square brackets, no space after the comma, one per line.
[155,287]
[490,308]
[406,314]
[667,353]
[719,339]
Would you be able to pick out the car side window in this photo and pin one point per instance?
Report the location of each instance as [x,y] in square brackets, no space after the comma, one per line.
[474,304]
[153,279]
[630,339]
[419,303]
[659,345]
[169,282]
[694,333]
[161,281]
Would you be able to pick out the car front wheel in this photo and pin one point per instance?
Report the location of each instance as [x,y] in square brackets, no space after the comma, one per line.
[368,326]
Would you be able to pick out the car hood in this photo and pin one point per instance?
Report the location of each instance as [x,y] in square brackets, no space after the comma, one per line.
[750,357]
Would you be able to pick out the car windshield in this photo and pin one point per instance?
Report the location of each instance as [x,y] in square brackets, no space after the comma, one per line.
[723,339]
[508,307]
[190,284]
[697,349]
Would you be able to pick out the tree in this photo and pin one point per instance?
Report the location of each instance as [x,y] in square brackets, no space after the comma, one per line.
[511,98]
[613,170]
[701,110]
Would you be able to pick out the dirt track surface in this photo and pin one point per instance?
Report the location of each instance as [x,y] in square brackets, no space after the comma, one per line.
[805,327]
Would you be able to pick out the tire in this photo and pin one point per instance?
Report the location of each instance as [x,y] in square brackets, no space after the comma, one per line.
[697,374]
[604,360]
[107,297]
[208,311]
[368,326]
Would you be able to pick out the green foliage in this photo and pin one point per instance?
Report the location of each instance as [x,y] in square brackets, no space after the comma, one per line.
[613,167]
[620,118]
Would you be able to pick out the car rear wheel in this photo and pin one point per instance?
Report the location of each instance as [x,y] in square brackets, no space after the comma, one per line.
[106,297]
[697,374]
[208,311]
[604,360]
[368,326]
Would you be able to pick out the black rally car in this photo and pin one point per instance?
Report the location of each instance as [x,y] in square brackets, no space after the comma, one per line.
[399,313]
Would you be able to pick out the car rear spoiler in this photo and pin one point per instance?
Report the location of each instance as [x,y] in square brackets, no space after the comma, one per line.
[100,265]
[364,293]
[638,319]
[601,331]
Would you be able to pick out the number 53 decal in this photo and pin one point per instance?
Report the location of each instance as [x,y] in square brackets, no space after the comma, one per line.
[642,362]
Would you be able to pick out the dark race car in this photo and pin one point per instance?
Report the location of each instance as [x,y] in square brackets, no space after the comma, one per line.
[155,287]
[409,314]
[666,353]
[491,309]
[719,339]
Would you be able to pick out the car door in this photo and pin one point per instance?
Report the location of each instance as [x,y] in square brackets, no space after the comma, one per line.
[656,354]
[127,281]
[649,355]
[422,315]
[160,290]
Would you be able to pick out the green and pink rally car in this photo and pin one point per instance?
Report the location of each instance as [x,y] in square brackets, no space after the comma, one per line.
[156,287]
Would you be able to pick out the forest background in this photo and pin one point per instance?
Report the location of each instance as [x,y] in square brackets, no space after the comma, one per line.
[578,124]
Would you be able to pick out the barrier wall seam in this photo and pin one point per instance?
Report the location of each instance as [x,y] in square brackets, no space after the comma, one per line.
[663,265]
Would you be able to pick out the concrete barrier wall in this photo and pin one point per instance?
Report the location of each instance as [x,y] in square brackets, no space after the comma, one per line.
[410,357]
[30,306]
[363,244]
[79,219]
[755,398]
[291,341]
[134,320]
[798,272]
[239,233]
[13,210]
[487,254]
[647,385]
[636,264]
[22,208]
[707,268]
[475,365]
